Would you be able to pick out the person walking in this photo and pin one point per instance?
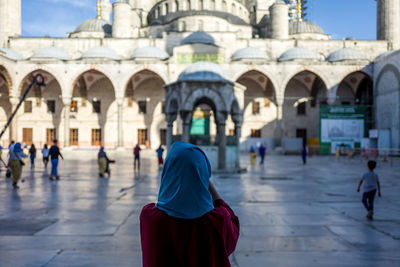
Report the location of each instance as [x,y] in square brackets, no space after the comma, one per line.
[104,163]
[45,154]
[54,154]
[190,225]
[10,148]
[253,155]
[16,163]
[371,183]
[304,153]
[262,150]
[32,155]
[160,151]
[136,153]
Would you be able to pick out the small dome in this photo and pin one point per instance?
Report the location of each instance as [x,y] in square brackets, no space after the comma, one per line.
[51,52]
[297,27]
[150,52]
[101,52]
[345,54]
[249,53]
[198,38]
[10,54]
[203,71]
[95,25]
[299,53]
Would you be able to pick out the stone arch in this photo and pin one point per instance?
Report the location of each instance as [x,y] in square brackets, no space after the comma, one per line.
[7,78]
[356,82]
[76,75]
[303,94]
[51,93]
[204,93]
[300,70]
[145,89]
[96,88]
[387,68]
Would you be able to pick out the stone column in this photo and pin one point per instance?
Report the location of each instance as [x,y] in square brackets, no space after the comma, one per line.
[238,131]
[170,126]
[14,123]
[221,145]
[186,117]
[120,103]
[279,123]
[67,107]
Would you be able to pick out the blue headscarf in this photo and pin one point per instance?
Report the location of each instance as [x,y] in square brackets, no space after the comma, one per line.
[17,147]
[101,153]
[184,183]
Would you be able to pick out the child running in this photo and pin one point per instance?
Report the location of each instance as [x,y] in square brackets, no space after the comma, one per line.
[371,183]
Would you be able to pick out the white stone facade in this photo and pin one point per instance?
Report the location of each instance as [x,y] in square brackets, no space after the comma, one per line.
[124,85]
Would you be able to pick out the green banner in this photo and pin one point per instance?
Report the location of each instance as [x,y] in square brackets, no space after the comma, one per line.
[341,126]
[193,58]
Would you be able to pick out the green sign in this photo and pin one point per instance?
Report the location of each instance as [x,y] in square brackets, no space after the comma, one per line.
[341,126]
[200,127]
[193,58]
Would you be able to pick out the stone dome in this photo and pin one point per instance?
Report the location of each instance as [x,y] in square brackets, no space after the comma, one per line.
[344,54]
[95,25]
[299,53]
[203,71]
[101,52]
[150,52]
[51,52]
[249,53]
[10,54]
[297,27]
[199,38]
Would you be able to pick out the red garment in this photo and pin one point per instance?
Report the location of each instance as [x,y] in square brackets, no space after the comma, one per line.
[205,241]
[160,161]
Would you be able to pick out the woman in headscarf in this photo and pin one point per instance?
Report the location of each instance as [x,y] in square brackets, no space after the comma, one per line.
[102,160]
[15,163]
[190,225]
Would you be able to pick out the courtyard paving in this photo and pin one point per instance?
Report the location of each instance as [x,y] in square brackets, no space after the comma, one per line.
[290,214]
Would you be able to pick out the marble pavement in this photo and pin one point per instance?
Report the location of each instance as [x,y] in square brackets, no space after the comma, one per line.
[290,214]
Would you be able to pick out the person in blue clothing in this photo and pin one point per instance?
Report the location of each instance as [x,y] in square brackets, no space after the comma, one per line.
[262,150]
[160,151]
[54,154]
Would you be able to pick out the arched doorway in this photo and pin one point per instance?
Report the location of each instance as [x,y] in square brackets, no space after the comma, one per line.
[93,111]
[144,110]
[260,108]
[357,89]
[40,118]
[304,94]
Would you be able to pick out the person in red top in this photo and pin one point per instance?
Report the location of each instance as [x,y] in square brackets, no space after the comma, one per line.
[190,225]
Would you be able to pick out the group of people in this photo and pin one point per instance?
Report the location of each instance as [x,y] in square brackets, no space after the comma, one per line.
[17,154]
[262,151]
[104,162]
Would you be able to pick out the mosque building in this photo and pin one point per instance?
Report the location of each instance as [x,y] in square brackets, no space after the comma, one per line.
[251,69]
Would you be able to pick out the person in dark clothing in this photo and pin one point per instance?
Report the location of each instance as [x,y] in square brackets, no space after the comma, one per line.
[190,225]
[371,184]
[136,153]
[54,154]
[262,150]
[304,153]
[32,155]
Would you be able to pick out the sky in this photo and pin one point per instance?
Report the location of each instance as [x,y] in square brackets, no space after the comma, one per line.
[340,18]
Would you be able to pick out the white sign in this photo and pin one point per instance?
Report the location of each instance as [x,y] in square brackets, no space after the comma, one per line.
[341,130]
